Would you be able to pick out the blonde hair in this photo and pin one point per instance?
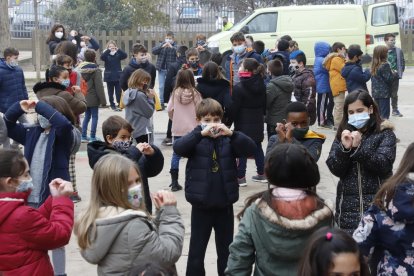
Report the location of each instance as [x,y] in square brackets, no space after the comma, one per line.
[379,57]
[109,187]
[111,42]
[138,78]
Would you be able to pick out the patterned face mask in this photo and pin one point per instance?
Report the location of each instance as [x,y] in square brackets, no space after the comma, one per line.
[135,196]
[122,145]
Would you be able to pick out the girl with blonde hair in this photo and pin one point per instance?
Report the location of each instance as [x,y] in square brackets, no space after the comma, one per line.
[115,232]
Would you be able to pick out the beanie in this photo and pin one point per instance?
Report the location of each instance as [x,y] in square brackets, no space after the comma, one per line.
[294,54]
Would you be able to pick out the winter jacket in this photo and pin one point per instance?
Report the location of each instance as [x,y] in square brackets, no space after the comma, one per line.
[113,64]
[361,172]
[93,76]
[234,62]
[133,66]
[26,234]
[76,102]
[170,78]
[93,43]
[355,77]
[381,82]
[392,230]
[3,132]
[398,59]
[304,91]
[126,237]
[12,86]
[204,188]
[149,166]
[59,143]
[205,56]
[166,55]
[283,56]
[312,141]
[249,107]
[181,110]
[139,109]
[278,96]
[321,74]
[53,43]
[273,243]
[334,64]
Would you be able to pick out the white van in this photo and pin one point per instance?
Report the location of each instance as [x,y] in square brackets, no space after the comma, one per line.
[349,24]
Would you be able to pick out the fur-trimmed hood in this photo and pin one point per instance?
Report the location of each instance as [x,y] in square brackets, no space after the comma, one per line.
[387,124]
[53,87]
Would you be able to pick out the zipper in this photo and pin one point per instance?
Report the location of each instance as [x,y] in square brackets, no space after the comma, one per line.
[361,203]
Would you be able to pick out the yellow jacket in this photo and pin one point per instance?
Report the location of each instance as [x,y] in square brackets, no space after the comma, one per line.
[334,64]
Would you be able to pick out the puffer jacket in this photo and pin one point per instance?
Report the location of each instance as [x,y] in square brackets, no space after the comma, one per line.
[126,237]
[12,86]
[273,243]
[93,76]
[26,234]
[361,172]
[381,82]
[113,64]
[278,96]
[283,56]
[321,74]
[392,230]
[139,109]
[132,67]
[305,91]
[334,64]
[355,77]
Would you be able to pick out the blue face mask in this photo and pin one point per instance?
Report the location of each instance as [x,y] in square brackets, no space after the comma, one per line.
[121,145]
[239,49]
[358,120]
[25,186]
[65,83]
[43,122]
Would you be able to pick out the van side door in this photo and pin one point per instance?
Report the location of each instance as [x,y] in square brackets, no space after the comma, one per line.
[263,27]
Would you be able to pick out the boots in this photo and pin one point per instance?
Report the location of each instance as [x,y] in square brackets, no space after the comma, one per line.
[174,181]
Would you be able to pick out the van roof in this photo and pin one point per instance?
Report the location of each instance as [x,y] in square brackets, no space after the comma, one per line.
[308,7]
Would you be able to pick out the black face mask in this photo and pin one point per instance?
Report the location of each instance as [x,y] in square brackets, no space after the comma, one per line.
[224,23]
[300,133]
[194,64]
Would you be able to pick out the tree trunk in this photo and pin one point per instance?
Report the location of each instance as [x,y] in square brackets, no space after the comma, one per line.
[4,26]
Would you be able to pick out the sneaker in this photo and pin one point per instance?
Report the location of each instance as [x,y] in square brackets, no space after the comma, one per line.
[242,182]
[259,178]
[167,142]
[396,113]
[115,108]
[85,139]
[75,197]
[93,139]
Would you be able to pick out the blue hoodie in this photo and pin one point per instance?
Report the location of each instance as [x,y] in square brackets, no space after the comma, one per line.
[322,49]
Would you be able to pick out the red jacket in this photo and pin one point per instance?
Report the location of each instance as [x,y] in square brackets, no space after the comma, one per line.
[26,234]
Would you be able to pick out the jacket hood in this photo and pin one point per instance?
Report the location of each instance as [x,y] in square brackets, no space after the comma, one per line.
[254,84]
[284,83]
[185,96]
[328,60]
[9,202]
[134,64]
[96,150]
[220,82]
[48,85]
[401,207]
[314,135]
[110,223]
[322,49]
[88,70]
[349,66]
[387,124]
[130,95]
[3,65]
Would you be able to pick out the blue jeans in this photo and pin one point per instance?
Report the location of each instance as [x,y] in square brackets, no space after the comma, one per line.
[258,158]
[113,85]
[384,107]
[175,159]
[90,112]
[161,80]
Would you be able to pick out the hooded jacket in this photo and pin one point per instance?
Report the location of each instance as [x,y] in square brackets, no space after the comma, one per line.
[322,49]
[126,237]
[139,109]
[181,110]
[249,107]
[26,234]
[283,56]
[278,96]
[113,64]
[381,82]
[391,229]
[132,67]
[93,76]
[273,243]
[76,102]
[361,172]
[234,62]
[12,85]
[218,90]
[355,77]
[304,91]
[334,64]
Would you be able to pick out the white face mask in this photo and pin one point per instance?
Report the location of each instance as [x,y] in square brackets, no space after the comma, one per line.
[82,44]
[169,40]
[59,34]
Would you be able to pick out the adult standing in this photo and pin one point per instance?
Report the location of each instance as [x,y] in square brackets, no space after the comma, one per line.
[57,34]
[227,25]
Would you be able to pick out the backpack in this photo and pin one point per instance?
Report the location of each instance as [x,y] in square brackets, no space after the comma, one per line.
[84,86]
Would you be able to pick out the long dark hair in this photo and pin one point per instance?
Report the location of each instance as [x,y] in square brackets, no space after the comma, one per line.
[67,48]
[252,65]
[185,79]
[54,72]
[12,163]
[386,192]
[321,248]
[60,105]
[374,123]
[211,71]
[52,33]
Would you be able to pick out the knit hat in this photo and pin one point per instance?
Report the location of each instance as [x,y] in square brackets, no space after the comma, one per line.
[294,54]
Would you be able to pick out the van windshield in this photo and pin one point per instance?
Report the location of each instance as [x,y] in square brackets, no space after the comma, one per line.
[238,24]
[384,15]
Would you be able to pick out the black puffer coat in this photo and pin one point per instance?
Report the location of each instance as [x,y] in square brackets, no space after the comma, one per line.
[361,173]
[249,107]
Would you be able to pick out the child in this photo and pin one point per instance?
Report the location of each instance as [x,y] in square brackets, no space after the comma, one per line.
[282,54]
[355,77]
[193,62]
[96,95]
[276,224]
[397,63]
[117,139]
[210,184]
[382,78]
[27,233]
[74,76]
[139,105]
[278,95]
[293,46]
[361,156]
[331,251]
[304,82]
[201,46]
[112,57]
[181,111]
[249,108]
[334,63]
[114,232]
[325,101]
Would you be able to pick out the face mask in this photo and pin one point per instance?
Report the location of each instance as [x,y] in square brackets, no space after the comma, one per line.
[25,186]
[201,42]
[245,74]
[391,44]
[121,145]
[293,69]
[358,120]
[203,126]
[83,44]
[299,133]
[168,40]
[65,83]
[135,196]
[43,122]
[194,64]
[142,60]
[59,35]
[239,49]
[13,63]
[112,53]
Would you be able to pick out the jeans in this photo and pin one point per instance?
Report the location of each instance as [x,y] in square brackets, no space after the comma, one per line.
[161,80]
[325,108]
[113,85]
[394,94]
[258,158]
[202,222]
[384,107]
[338,108]
[90,112]
[175,159]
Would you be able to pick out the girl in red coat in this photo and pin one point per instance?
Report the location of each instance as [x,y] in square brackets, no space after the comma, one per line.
[26,234]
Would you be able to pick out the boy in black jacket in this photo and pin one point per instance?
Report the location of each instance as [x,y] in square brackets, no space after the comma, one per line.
[211,182]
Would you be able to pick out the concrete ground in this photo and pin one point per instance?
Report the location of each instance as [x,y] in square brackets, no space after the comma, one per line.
[76,265]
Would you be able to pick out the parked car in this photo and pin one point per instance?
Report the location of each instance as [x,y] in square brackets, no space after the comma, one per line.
[24,19]
[189,15]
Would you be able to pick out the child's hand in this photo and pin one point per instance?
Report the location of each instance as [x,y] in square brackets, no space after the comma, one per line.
[356,138]
[60,187]
[289,132]
[208,131]
[223,130]
[27,104]
[76,89]
[346,139]
[145,148]
[164,198]
[151,93]
[281,132]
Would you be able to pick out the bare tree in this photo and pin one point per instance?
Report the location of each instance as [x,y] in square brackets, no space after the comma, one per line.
[4,25]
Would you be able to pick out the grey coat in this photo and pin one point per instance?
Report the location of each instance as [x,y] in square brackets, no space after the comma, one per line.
[278,96]
[138,111]
[125,237]
[96,93]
